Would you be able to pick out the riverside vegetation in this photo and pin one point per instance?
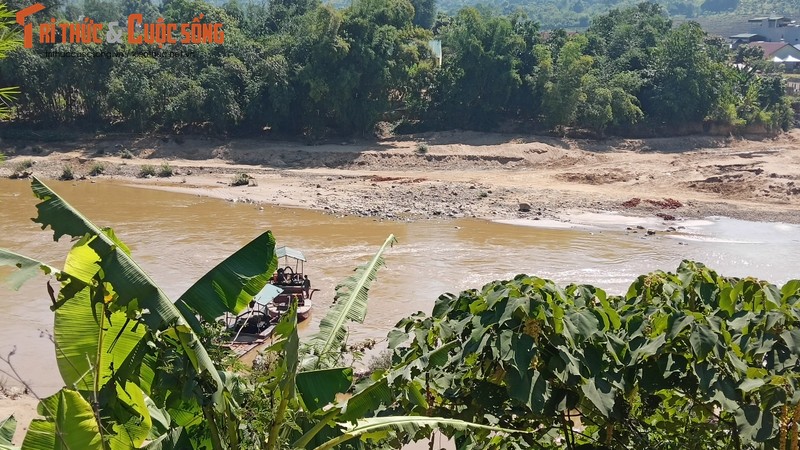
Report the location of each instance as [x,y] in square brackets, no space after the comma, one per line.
[305,69]
[684,360]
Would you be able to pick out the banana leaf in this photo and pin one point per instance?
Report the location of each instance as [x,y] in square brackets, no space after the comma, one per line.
[379,427]
[132,286]
[232,284]
[69,423]
[7,428]
[351,306]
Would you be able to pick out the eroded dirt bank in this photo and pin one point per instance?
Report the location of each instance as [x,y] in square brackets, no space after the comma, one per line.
[455,174]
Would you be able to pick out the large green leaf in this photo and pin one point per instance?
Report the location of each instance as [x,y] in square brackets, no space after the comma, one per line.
[175,439]
[69,423]
[379,427]
[232,284]
[318,388]
[288,346]
[7,428]
[80,349]
[27,268]
[131,284]
[351,305]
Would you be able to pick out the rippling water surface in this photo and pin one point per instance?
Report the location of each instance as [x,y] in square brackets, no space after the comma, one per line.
[177,238]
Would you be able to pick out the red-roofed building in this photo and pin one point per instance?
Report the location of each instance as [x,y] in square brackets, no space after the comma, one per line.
[779,53]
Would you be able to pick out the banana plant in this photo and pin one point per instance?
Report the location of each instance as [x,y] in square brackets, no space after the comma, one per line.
[125,349]
[137,375]
[350,305]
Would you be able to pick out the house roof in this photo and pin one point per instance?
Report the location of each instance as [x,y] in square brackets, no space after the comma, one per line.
[769,47]
[743,36]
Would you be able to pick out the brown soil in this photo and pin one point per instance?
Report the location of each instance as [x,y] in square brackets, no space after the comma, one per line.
[21,406]
[458,173]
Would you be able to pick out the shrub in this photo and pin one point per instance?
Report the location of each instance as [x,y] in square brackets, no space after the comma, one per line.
[67,174]
[97,169]
[147,171]
[165,171]
[23,165]
[422,148]
[126,154]
[241,179]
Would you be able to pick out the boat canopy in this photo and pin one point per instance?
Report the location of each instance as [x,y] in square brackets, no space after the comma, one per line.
[266,295]
[290,252]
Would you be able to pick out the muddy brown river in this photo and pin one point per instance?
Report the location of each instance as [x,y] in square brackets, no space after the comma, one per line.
[178,237]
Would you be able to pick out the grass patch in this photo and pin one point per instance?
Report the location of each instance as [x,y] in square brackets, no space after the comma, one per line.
[422,148]
[165,171]
[2,157]
[126,154]
[67,174]
[97,169]
[147,171]
[23,165]
[241,179]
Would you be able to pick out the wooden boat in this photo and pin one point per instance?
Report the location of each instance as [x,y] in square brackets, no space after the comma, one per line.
[250,329]
[290,280]
[253,328]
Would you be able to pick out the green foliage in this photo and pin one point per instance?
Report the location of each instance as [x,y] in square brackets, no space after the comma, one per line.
[67,174]
[136,370]
[97,169]
[424,13]
[689,359]
[23,165]
[9,41]
[165,170]
[147,170]
[134,367]
[7,428]
[308,70]
[350,305]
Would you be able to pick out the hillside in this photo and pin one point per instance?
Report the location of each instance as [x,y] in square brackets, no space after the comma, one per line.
[720,15]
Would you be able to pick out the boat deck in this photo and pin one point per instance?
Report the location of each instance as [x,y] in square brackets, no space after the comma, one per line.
[245,342]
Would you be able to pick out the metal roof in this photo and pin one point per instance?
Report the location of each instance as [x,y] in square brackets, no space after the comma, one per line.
[290,252]
[266,295]
[743,36]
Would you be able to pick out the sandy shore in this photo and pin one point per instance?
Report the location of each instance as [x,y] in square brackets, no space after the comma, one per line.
[457,174]
[21,406]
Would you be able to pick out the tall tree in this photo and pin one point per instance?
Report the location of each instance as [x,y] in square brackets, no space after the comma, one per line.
[424,13]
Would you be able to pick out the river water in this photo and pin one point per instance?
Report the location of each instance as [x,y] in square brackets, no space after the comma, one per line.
[176,238]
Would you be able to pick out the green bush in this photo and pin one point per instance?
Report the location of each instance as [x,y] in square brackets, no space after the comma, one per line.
[23,165]
[165,171]
[147,171]
[97,169]
[67,174]
[422,148]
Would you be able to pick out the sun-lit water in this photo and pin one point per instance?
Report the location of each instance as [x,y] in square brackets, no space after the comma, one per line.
[177,238]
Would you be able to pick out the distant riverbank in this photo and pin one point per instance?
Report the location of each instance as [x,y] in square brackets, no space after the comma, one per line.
[453,174]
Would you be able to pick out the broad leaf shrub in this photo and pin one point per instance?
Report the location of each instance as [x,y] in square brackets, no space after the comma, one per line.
[684,360]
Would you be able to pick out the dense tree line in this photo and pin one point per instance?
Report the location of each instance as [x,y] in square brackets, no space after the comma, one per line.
[306,69]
